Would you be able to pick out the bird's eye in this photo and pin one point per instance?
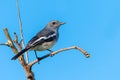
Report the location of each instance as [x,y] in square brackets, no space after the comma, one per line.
[54,23]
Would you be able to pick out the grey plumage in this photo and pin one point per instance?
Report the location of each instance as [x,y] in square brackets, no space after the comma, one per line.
[44,39]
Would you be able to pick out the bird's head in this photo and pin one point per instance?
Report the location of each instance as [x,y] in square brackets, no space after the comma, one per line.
[54,24]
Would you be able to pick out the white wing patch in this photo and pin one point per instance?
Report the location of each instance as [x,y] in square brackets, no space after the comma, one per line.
[45,38]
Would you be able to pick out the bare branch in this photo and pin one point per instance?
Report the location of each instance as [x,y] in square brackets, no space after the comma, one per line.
[20,22]
[12,46]
[58,51]
[69,48]
[16,42]
[21,30]
[27,68]
[10,42]
[4,44]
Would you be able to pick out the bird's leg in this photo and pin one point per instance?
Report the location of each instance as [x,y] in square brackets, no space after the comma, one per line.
[36,55]
[50,52]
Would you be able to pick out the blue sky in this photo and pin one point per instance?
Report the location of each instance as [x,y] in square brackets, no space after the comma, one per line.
[91,24]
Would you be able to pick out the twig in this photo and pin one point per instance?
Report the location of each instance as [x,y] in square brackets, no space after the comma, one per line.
[4,44]
[21,31]
[69,48]
[58,51]
[20,22]
[16,42]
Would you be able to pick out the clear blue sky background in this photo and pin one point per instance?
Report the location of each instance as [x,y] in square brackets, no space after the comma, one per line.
[93,25]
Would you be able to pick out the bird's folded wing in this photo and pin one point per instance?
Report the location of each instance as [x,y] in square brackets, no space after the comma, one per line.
[38,40]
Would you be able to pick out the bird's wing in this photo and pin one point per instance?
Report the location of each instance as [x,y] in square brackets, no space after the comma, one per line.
[41,37]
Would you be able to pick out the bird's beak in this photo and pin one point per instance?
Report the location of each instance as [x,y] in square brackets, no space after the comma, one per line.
[61,23]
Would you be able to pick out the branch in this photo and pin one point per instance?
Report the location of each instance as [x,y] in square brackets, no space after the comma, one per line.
[16,42]
[21,30]
[10,42]
[21,59]
[12,46]
[20,21]
[58,51]
[4,44]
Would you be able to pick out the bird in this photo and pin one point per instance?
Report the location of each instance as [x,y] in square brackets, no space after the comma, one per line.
[44,39]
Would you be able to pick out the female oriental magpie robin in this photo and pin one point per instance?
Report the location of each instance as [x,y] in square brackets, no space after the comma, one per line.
[44,39]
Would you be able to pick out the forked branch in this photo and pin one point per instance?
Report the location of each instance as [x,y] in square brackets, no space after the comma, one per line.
[10,42]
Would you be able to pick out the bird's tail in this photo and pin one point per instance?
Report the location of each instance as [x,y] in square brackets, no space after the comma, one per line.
[19,54]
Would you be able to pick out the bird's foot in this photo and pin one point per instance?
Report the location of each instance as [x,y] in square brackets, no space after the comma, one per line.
[51,55]
[50,50]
